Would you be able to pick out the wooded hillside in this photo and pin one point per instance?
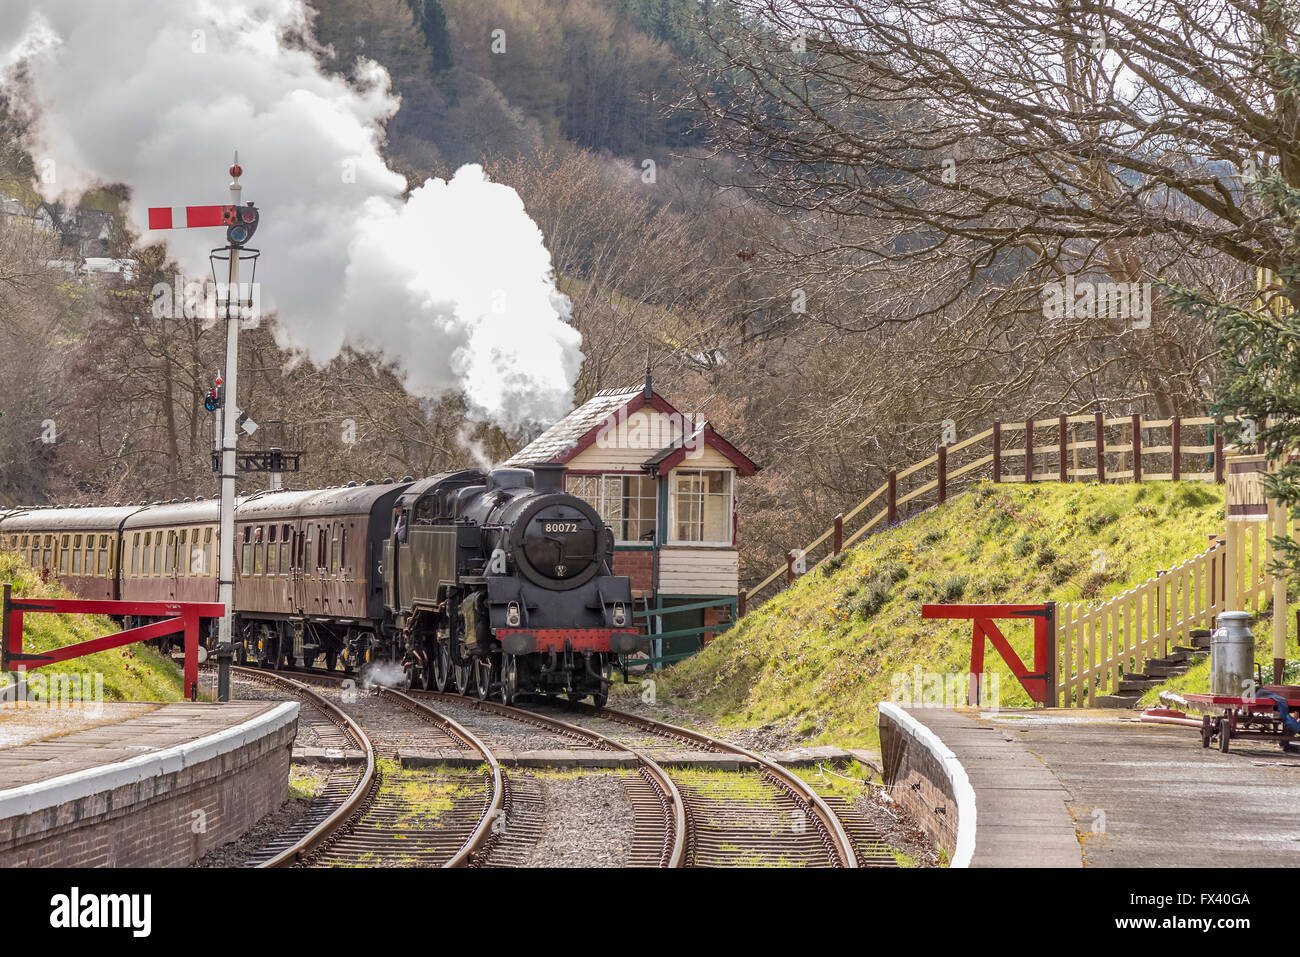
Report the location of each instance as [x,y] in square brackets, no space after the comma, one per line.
[827,240]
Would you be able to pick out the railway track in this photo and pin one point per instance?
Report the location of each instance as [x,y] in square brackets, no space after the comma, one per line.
[360,819]
[659,816]
[763,817]
[659,811]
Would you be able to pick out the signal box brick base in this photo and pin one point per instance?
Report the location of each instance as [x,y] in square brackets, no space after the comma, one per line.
[153,789]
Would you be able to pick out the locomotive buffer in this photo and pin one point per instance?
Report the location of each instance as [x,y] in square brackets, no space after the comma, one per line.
[240,222]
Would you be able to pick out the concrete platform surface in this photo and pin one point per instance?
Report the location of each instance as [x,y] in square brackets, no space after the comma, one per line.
[128,785]
[62,741]
[1133,794]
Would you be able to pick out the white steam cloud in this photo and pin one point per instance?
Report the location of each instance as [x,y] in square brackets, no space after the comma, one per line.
[455,284]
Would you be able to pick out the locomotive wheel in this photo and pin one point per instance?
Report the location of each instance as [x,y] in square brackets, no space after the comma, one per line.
[331,660]
[487,673]
[509,680]
[464,678]
[600,696]
[241,653]
[442,678]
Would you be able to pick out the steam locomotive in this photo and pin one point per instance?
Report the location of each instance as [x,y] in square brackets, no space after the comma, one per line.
[496,583]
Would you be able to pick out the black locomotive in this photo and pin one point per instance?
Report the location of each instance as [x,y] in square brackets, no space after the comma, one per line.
[501,583]
[493,584]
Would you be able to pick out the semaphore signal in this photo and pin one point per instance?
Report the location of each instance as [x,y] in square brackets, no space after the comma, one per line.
[240,222]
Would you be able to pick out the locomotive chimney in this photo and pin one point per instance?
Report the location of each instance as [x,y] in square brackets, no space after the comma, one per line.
[549,477]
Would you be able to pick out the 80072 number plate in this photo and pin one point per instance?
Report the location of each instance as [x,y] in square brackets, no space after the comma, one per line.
[562,526]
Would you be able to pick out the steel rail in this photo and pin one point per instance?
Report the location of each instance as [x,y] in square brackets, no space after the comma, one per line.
[481,837]
[675,828]
[838,843]
[295,853]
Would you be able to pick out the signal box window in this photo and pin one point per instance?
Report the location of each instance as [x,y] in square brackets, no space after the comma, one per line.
[700,506]
[626,503]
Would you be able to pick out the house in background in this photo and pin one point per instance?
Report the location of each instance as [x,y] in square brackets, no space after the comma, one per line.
[666,484]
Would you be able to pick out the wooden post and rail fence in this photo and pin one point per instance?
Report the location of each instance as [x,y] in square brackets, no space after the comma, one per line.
[1093,648]
[1066,448]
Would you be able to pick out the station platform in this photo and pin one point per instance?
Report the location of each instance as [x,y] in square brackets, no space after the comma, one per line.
[1093,788]
[137,785]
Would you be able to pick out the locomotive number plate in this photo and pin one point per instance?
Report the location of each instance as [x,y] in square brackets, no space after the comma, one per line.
[562,526]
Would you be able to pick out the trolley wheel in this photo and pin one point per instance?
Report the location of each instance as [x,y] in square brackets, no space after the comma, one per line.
[1207,731]
[1225,734]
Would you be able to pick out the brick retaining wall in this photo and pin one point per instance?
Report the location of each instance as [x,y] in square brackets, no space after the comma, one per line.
[171,816]
[925,777]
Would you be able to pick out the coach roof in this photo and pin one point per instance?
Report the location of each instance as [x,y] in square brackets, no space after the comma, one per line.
[91,518]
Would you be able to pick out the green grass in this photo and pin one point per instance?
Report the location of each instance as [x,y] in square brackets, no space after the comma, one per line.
[131,673]
[825,652]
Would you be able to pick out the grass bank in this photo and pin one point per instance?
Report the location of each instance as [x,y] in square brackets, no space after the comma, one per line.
[132,673]
[819,657]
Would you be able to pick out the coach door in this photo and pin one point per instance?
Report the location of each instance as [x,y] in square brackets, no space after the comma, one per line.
[298,580]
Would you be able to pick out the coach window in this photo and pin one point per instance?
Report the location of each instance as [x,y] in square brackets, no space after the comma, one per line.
[334,550]
[146,562]
[169,563]
[63,555]
[76,554]
[272,548]
[135,554]
[89,563]
[103,556]
[246,563]
[343,550]
[322,547]
[259,551]
[207,551]
[158,549]
[306,554]
[286,549]
[48,552]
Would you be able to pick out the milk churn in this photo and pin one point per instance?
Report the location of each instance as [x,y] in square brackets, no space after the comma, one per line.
[1232,655]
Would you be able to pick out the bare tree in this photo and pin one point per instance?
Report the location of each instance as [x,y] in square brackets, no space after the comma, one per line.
[1017,138]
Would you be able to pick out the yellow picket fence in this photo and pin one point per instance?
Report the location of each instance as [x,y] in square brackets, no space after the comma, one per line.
[1098,646]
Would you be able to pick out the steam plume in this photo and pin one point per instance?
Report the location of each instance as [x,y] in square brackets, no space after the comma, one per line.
[454,284]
